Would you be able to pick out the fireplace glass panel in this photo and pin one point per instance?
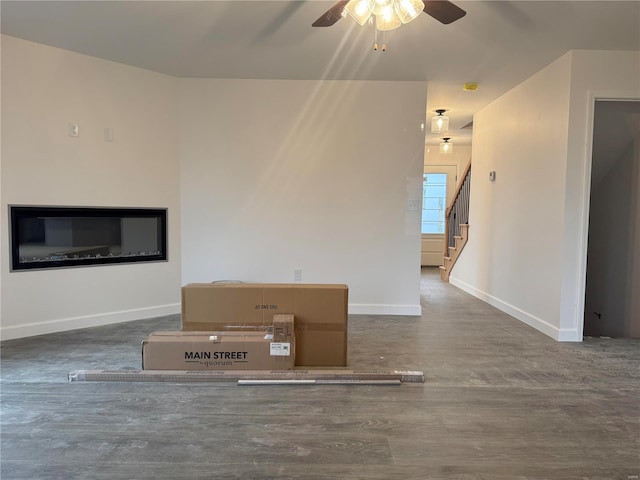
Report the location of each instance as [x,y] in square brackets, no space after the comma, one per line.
[54,237]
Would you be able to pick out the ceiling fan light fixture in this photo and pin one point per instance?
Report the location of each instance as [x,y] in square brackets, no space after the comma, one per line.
[359,10]
[440,123]
[446,147]
[408,10]
[388,19]
[443,11]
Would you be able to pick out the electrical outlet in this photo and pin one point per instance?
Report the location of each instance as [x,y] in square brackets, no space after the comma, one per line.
[74,130]
[297,275]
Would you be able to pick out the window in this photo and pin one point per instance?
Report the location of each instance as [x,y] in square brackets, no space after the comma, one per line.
[434,202]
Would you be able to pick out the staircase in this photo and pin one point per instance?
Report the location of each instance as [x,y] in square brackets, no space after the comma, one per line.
[453,252]
[457,224]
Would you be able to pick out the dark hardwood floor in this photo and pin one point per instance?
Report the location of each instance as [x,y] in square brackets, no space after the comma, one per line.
[501,401]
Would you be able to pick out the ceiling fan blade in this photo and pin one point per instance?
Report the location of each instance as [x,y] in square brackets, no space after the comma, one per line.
[331,16]
[443,11]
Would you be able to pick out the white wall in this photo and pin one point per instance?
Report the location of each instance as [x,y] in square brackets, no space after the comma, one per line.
[516,221]
[280,175]
[43,89]
[527,244]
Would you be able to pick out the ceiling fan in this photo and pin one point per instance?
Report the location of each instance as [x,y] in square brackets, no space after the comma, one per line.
[442,10]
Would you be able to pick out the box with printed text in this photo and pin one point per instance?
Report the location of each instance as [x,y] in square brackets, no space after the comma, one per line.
[320,312]
[271,349]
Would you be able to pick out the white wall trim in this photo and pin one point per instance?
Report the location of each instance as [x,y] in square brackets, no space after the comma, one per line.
[65,324]
[560,334]
[568,334]
[376,309]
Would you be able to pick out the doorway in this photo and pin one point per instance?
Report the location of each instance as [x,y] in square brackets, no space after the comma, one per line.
[438,185]
[612,305]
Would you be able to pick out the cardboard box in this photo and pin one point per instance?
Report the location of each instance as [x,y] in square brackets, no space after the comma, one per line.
[283,328]
[320,313]
[217,351]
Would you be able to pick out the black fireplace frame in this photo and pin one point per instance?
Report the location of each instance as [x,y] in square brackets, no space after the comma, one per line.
[17,213]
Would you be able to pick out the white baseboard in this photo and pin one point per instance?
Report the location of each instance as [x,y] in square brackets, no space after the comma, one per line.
[560,334]
[376,309]
[65,324]
[568,335]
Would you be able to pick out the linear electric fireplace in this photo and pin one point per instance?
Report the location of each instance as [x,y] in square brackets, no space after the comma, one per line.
[55,237]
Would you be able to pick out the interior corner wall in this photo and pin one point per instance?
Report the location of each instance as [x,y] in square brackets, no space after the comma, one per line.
[43,89]
[321,176]
[527,238]
[516,221]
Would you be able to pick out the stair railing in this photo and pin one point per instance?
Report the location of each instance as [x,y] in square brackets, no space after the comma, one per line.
[457,212]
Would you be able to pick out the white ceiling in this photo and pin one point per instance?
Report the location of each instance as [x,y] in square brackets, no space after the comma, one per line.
[497,44]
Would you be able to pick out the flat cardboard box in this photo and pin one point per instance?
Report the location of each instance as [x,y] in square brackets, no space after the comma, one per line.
[216,351]
[320,312]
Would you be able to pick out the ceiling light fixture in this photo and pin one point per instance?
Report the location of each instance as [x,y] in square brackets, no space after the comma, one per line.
[446,147]
[389,14]
[385,14]
[440,123]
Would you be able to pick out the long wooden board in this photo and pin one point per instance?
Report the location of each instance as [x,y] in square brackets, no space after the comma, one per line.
[315,377]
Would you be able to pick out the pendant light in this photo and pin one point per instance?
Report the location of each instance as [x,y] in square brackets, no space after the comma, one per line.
[440,123]
[446,147]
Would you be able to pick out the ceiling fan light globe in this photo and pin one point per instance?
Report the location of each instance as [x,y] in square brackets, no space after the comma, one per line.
[359,10]
[378,6]
[408,10]
[388,19]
